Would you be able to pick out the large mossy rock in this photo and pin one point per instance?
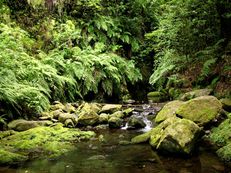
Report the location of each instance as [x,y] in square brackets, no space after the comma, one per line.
[155,132]
[179,137]
[200,110]
[22,125]
[111,108]
[196,93]
[86,107]
[41,141]
[173,135]
[65,116]
[226,104]
[115,122]
[88,114]
[118,114]
[89,118]
[168,111]
[103,118]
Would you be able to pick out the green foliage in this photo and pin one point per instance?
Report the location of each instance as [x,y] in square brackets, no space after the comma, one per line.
[192,31]
[29,81]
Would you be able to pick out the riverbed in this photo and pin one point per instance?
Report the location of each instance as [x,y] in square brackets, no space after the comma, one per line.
[111,154]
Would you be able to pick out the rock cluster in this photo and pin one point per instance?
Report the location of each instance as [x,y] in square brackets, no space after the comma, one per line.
[180,124]
[88,114]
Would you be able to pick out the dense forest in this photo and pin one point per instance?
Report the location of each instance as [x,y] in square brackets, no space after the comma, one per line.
[70,50]
[110,51]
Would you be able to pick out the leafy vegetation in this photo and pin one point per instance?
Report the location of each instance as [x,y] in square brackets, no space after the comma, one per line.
[189,41]
[69,50]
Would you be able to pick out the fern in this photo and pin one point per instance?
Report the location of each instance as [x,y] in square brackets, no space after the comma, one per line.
[165,66]
[206,70]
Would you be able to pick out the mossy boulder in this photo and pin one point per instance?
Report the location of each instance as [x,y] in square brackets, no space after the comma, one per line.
[226,104]
[195,93]
[155,133]
[135,123]
[69,123]
[88,114]
[57,105]
[41,141]
[128,112]
[115,122]
[173,135]
[89,118]
[111,108]
[62,117]
[69,108]
[179,137]
[141,138]
[118,114]
[86,107]
[55,114]
[169,110]
[103,118]
[22,125]
[201,110]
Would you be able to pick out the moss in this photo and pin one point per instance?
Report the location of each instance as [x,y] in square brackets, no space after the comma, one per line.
[118,114]
[196,93]
[88,118]
[154,99]
[221,135]
[7,157]
[169,110]
[141,138]
[179,137]
[49,141]
[22,125]
[115,122]
[110,108]
[226,104]
[127,112]
[222,138]
[4,134]
[225,153]
[155,94]
[201,110]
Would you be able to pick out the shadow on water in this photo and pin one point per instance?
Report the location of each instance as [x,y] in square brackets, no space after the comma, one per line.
[108,156]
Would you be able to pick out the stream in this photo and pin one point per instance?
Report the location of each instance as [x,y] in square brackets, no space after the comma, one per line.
[109,156]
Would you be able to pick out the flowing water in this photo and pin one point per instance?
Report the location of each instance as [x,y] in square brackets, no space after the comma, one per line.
[108,156]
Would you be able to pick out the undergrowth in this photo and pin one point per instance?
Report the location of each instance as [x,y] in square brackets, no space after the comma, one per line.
[30,80]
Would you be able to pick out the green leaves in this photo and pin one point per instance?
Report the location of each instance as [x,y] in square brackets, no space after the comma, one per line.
[29,82]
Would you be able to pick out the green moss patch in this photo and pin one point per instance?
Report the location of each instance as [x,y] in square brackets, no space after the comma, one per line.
[201,110]
[221,136]
[41,141]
